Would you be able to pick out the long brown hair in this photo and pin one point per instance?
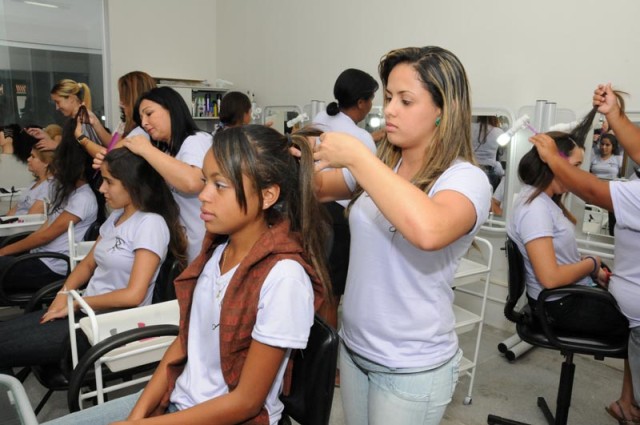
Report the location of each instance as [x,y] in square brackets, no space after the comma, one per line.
[130,87]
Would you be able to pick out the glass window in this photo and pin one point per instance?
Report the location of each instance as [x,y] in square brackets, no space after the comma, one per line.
[42,42]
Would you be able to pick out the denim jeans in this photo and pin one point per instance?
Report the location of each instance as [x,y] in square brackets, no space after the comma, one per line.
[634,360]
[103,414]
[373,394]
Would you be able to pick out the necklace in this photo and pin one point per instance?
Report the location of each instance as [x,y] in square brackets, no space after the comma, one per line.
[226,282]
[224,258]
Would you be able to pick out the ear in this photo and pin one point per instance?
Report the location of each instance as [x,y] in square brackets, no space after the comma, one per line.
[270,196]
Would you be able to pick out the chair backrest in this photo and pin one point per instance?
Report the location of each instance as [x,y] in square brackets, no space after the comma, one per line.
[314,371]
[79,250]
[164,289]
[516,281]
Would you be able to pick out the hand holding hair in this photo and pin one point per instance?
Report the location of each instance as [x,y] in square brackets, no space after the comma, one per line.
[546,146]
[338,150]
[605,99]
[137,144]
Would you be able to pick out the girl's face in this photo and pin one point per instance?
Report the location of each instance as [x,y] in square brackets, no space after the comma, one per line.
[68,106]
[35,165]
[606,148]
[114,192]
[156,120]
[220,210]
[575,159]
[410,112]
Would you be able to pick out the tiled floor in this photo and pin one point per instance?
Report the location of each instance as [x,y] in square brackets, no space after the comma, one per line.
[503,388]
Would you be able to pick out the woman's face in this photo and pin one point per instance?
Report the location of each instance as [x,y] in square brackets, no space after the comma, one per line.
[35,165]
[410,112]
[575,158]
[220,210]
[606,148]
[68,106]
[115,194]
[156,120]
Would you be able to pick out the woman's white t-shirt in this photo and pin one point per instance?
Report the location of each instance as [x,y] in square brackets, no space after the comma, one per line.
[284,319]
[31,196]
[115,251]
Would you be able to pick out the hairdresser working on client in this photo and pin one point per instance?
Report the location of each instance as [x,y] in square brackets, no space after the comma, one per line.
[623,198]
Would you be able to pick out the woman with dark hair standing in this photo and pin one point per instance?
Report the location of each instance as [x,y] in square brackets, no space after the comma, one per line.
[235,110]
[354,91]
[72,199]
[606,164]
[176,151]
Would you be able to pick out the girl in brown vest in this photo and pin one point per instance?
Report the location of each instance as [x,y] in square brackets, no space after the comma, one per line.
[249,298]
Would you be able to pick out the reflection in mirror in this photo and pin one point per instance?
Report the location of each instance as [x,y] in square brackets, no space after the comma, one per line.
[487,124]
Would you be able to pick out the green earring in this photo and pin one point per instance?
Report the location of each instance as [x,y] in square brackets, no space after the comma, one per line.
[438,121]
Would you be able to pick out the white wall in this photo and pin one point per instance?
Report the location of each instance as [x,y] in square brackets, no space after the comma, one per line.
[164,38]
[515,52]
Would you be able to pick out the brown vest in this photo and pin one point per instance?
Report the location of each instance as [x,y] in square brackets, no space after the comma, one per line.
[240,303]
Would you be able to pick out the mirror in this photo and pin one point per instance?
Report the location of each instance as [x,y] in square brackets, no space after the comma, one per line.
[487,124]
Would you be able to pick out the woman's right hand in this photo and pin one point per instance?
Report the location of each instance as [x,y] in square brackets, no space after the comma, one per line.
[57,309]
[337,150]
[604,99]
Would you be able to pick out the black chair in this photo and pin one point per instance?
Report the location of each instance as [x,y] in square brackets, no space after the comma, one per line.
[312,384]
[537,331]
[57,377]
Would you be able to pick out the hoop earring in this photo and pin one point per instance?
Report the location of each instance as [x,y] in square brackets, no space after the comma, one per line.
[438,121]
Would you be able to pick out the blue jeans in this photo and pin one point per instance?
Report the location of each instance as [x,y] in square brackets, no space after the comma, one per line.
[634,360]
[373,394]
[105,413]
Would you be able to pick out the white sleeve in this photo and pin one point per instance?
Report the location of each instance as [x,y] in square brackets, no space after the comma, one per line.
[285,308]
[152,233]
[625,197]
[194,148]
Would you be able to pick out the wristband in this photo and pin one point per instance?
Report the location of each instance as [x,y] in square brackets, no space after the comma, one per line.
[595,264]
[83,140]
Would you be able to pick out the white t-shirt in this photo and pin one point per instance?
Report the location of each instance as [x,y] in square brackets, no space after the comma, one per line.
[192,152]
[81,203]
[115,252]
[486,152]
[538,219]
[284,319]
[31,196]
[625,281]
[138,131]
[398,299]
[606,168]
[342,123]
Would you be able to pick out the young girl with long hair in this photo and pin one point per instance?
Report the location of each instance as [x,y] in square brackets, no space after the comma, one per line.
[249,297]
[71,199]
[414,212]
[120,269]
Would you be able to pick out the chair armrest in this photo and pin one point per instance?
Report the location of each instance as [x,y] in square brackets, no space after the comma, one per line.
[46,293]
[8,240]
[97,351]
[586,291]
[30,256]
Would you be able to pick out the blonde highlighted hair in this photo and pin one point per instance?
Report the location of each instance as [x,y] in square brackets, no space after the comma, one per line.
[130,87]
[444,77]
[67,88]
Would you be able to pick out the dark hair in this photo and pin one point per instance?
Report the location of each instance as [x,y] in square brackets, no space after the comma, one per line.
[485,123]
[182,123]
[71,164]
[233,107]
[615,147]
[262,154]
[23,142]
[149,193]
[351,86]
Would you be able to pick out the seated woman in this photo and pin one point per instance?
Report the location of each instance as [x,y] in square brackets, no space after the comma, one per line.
[31,201]
[72,199]
[250,296]
[543,230]
[121,268]
[484,136]
[607,164]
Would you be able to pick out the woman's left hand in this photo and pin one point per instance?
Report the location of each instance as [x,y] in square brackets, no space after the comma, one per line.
[137,144]
[337,150]
[546,146]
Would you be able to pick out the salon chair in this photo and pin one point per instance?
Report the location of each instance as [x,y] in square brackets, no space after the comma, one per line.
[537,331]
[314,371]
[62,376]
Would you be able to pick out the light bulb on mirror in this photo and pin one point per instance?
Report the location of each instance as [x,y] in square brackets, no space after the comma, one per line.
[518,125]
